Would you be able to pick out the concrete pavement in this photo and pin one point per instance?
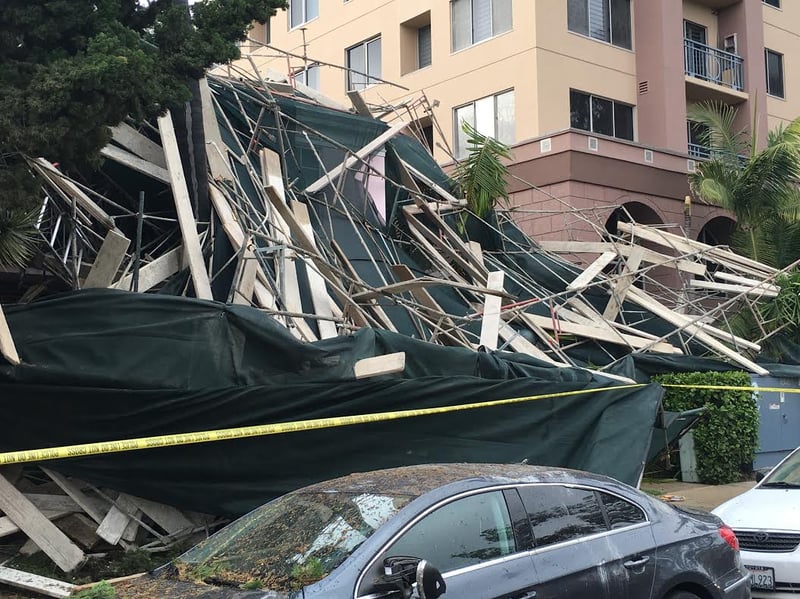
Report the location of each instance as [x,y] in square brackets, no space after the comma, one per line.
[701,496]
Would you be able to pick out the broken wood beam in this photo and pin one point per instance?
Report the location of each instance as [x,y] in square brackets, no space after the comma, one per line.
[141,145]
[108,260]
[183,207]
[590,272]
[155,272]
[380,365]
[134,162]
[41,585]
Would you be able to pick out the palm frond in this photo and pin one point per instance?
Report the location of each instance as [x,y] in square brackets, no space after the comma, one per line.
[720,133]
[18,236]
[482,174]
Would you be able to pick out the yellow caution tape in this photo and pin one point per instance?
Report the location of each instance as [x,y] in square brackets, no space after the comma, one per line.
[87,449]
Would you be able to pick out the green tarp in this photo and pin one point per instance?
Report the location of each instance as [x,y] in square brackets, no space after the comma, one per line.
[107,365]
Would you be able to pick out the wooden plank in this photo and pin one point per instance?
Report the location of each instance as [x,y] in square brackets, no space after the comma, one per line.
[684,323]
[109,258]
[591,271]
[477,251]
[64,553]
[216,149]
[359,104]
[44,501]
[403,286]
[490,323]
[141,145]
[519,344]
[9,527]
[359,156]
[434,186]
[735,289]
[49,587]
[167,517]
[73,191]
[183,206]
[7,347]
[386,364]
[620,285]
[133,162]
[623,249]
[248,269]
[73,489]
[724,276]
[155,272]
[116,526]
[319,294]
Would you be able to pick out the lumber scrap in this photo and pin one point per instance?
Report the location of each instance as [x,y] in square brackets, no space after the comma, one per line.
[58,547]
[319,294]
[623,249]
[380,365]
[183,207]
[49,587]
[71,190]
[684,323]
[591,271]
[754,290]
[141,145]
[620,285]
[120,521]
[519,344]
[744,281]
[403,286]
[167,517]
[134,162]
[358,103]
[247,270]
[358,156]
[216,150]
[73,489]
[155,272]
[9,527]
[490,323]
[109,258]
[7,347]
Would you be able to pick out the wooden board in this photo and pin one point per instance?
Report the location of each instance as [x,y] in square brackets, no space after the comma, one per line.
[155,272]
[7,347]
[58,547]
[755,291]
[167,517]
[49,171]
[490,323]
[119,523]
[591,271]
[49,587]
[109,258]
[133,162]
[246,285]
[183,207]
[386,364]
[141,145]
[216,149]
[620,286]
[73,489]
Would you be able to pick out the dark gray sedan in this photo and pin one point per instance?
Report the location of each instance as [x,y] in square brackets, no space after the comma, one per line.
[461,531]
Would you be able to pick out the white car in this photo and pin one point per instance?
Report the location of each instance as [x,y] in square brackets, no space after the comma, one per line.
[766,520]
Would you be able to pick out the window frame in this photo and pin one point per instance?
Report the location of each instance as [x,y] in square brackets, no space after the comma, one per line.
[301,75]
[493,34]
[770,3]
[371,78]
[614,105]
[457,132]
[609,18]
[305,17]
[782,73]
[419,46]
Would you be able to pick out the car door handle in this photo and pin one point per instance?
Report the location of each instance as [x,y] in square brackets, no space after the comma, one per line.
[635,563]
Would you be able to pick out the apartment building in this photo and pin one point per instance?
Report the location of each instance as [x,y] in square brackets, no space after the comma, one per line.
[591,95]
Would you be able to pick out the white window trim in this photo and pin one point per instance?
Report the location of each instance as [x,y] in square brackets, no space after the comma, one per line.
[483,41]
[305,20]
[370,78]
[457,123]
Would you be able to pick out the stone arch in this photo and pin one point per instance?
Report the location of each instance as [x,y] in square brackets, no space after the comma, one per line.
[717,231]
[632,211]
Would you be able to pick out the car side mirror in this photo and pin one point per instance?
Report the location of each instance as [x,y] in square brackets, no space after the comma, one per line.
[759,476]
[430,583]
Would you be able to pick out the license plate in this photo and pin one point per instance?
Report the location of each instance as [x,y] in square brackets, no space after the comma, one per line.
[762,578]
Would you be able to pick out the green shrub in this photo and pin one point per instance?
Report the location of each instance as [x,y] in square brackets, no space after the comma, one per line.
[102,590]
[726,437]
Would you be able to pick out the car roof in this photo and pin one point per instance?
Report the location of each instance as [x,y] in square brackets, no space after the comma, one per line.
[419,479]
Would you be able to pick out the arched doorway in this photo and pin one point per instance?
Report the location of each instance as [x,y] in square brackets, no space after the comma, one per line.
[632,212]
[717,231]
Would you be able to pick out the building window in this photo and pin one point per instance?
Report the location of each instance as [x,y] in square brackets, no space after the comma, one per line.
[606,20]
[600,115]
[476,20]
[308,76]
[302,11]
[775,3]
[364,63]
[424,46]
[492,116]
[774,73]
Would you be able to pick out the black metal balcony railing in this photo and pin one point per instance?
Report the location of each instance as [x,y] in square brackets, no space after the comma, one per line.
[713,65]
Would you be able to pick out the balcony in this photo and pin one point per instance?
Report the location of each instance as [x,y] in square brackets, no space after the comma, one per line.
[713,65]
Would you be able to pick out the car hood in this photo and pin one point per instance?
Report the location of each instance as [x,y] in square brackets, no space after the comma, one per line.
[149,587]
[776,509]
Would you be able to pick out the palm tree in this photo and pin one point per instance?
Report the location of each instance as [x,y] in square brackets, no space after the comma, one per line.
[760,187]
[18,236]
[481,175]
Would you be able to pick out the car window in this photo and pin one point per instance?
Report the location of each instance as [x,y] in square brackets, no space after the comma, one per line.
[621,513]
[559,513]
[464,532]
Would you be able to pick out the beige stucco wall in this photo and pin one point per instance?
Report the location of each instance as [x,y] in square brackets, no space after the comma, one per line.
[782,34]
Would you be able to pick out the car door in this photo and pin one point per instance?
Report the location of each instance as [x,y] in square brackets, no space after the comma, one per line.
[471,540]
[568,556]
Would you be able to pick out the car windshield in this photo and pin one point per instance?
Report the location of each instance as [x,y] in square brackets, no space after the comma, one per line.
[291,542]
[786,474]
